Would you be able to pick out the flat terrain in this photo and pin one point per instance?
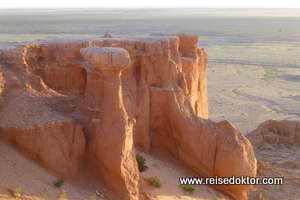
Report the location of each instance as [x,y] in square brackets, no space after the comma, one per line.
[254,82]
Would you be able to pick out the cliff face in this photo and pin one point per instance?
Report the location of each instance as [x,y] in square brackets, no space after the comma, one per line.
[95,99]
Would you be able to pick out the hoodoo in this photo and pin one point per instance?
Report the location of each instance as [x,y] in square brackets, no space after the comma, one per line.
[108,128]
[68,100]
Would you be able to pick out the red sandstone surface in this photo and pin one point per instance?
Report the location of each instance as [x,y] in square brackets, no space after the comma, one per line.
[84,104]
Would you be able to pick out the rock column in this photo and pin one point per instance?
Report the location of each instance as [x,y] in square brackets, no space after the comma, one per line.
[109,130]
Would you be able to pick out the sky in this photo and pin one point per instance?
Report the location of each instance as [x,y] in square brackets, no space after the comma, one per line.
[149,3]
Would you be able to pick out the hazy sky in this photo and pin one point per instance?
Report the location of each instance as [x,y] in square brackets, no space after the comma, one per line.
[149,3]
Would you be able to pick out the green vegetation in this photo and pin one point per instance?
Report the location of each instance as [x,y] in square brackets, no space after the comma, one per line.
[156,165]
[189,188]
[288,146]
[141,163]
[154,181]
[244,67]
[59,183]
[269,75]
[238,93]
[282,174]
[272,164]
[215,198]
[17,192]
[63,194]
[93,197]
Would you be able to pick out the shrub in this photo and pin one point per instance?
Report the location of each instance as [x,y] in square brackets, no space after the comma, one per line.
[17,192]
[141,163]
[269,75]
[282,174]
[63,194]
[191,189]
[59,183]
[93,197]
[154,181]
[156,165]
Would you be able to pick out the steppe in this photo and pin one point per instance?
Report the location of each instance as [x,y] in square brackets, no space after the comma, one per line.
[253,75]
[253,53]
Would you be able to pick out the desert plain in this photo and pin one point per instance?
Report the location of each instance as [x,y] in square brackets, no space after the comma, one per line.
[253,76]
[254,57]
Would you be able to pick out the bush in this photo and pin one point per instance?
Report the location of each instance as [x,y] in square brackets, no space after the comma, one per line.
[59,183]
[154,181]
[191,189]
[93,197]
[141,163]
[63,194]
[282,175]
[17,192]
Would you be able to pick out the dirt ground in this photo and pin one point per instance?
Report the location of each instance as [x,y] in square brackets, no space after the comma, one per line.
[249,90]
[38,184]
[35,182]
[254,87]
[278,161]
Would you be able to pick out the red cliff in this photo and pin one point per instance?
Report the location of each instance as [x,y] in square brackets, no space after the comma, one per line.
[68,101]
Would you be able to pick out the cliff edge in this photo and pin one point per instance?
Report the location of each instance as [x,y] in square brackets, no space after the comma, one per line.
[66,102]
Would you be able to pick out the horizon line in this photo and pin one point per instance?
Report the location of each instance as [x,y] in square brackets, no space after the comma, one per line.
[152,7]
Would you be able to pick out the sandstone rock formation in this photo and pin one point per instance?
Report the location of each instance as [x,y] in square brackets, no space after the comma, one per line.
[109,131]
[99,98]
[275,132]
[58,145]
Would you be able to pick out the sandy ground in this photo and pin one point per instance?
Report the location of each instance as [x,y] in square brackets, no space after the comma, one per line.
[35,182]
[247,85]
[169,173]
[278,161]
[38,184]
